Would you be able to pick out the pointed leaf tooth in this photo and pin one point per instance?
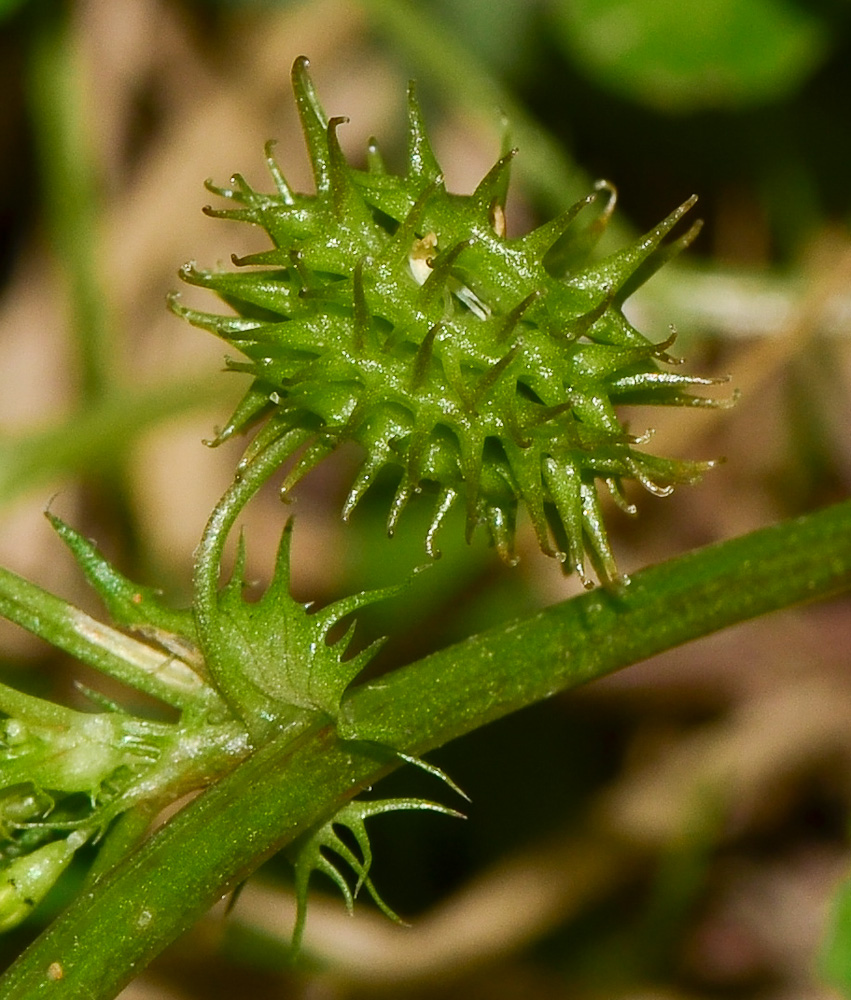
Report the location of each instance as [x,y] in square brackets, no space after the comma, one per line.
[445,501]
[226,327]
[244,191]
[411,477]
[600,549]
[222,192]
[362,324]
[642,438]
[333,872]
[374,160]
[471,447]
[510,322]
[306,276]
[353,817]
[571,250]
[236,583]
[564,484]
[660,350]
[493,187]
[387,805]
[543,414]
[312,455]
[231,214]
[490,377]
[252,407]
[441,269]
[329,673]
[615,270]
[422,162]
[637,469]
[661,256]
[314,123]
[388,911]
[662,387]
[501,526]
[527,468]
[335,612]
[356,826]
[193,275]
[128,603]
[271,434]
[284,190]
[271,257]
[365,477]
[342,189]
[616,490]
[536,243]
[403,494]
[580,326]
[355,664]
[278,591]
[593,233]
[423,359]
[399,247]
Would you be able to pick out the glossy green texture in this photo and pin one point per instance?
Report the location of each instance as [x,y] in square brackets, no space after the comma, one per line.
[244,673]
[482,367]
[271,658]
[288,787]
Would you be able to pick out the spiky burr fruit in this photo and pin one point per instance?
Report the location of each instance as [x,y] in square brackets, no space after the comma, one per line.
[485,368]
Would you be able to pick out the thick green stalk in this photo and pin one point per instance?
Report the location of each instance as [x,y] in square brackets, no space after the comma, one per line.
[229,677]
[107,935]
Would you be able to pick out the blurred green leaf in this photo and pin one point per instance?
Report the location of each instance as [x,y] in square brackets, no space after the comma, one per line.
[500,32]
[8,7]
[836,953]
[676,56]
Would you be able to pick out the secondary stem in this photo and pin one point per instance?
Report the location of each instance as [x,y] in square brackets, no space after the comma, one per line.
[107,935]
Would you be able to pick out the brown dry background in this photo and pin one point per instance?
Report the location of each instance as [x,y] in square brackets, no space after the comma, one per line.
[671,833]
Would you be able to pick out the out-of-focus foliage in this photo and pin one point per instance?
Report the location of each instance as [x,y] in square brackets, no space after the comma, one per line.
[679,828]
[836,958]
[679,56]
[8,6]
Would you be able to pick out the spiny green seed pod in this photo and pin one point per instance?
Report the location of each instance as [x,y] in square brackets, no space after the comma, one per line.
[394,314]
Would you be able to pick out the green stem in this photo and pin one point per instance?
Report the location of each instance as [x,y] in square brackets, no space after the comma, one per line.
[103,648]
[106,936]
